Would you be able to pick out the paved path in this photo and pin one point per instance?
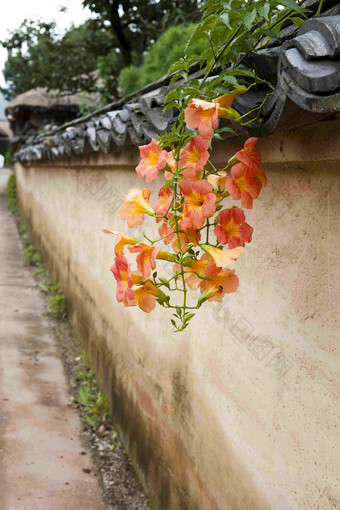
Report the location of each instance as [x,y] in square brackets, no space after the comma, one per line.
[41,465]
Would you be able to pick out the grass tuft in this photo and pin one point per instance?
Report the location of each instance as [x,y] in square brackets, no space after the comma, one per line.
[12,198]
[90,397]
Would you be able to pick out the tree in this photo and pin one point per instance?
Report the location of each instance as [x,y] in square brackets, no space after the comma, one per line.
[136,24]
[89,57]
[67,63]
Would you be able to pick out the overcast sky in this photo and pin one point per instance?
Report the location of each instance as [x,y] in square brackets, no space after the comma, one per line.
[13,12]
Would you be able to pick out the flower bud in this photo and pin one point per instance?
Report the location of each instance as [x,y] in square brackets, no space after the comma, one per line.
[165,255]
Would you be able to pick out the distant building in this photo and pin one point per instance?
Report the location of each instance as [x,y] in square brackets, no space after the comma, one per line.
[36,110]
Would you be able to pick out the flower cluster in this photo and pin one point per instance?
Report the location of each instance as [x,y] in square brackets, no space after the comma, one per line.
[189,206]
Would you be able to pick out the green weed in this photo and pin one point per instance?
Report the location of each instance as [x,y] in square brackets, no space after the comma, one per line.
[43,272]
[92,400]
[32,255]
[12,199]
[57,301]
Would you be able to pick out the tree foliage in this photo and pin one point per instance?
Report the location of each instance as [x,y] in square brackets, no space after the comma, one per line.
[89,57]
[167,49]
[39,57]
[233,29]
[135,24]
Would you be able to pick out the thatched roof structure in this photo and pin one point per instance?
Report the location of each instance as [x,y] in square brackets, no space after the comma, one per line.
[33,110]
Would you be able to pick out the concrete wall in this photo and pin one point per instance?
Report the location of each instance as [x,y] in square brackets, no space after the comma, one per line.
[240,412]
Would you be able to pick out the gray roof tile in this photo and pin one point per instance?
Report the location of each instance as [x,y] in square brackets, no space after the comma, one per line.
[307,90]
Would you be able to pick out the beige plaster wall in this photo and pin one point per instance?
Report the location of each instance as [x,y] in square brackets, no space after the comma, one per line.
[240,412]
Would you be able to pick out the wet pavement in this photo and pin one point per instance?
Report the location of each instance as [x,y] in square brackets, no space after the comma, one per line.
[42,458]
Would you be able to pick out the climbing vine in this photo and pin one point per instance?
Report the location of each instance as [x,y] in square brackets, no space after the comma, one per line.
[201,226]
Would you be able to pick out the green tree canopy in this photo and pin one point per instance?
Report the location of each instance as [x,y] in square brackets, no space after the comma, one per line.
[90,57]
[166,50]
[39,57]
[136,24]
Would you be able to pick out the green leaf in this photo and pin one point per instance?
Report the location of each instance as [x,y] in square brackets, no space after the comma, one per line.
[297,21]
[292,5]
[198,34]
[177,66]
[217,136]
[208,3]
[166,185]
[44,288]
[178,76]
[83,395]
[93,421]
[227,130]
[249,44]
[172,104]
[241,71]
[190,92]
[113,437]
[263,10]
[208,54]
[266,31]
[192,59]
[249,19]
[277,28]
[236,16]
[173,94]
[225,19]
[231,80]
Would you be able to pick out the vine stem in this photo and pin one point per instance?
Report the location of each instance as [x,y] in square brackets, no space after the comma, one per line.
[207,233]
[187,307]
[318,12]
[167,235]
[258,109]
[184,290]
[219,55]
[231,39]
[177,202]
[273,25]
